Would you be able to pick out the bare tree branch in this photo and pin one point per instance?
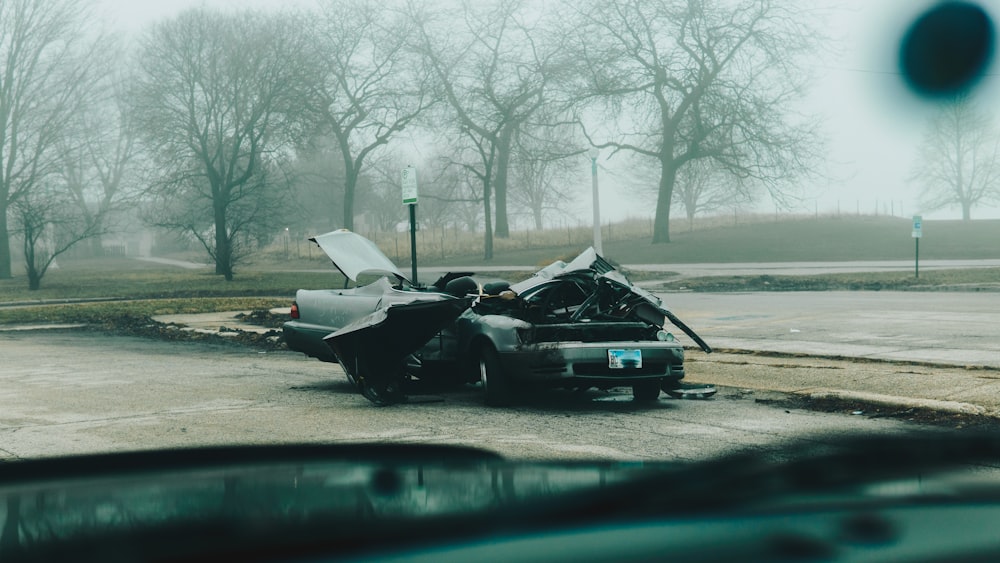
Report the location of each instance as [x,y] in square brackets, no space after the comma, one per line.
[218,96]
[698,80]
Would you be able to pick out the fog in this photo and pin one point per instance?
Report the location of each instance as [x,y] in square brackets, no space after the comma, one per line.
[873,123]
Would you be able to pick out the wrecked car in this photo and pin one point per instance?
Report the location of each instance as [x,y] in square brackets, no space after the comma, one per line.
[577,325]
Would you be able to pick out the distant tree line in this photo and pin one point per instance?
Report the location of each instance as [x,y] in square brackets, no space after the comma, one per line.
[229,126]
[958,162]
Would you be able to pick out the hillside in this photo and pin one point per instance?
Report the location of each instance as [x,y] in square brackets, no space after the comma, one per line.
[813,239]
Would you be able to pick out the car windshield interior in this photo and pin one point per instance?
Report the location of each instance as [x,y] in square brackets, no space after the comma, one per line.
[499,280]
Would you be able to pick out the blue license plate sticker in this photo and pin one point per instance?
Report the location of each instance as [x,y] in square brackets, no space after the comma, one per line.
[625,359]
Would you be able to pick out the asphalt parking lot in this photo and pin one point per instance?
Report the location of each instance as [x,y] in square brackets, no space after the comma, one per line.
[72,392]
[75,391]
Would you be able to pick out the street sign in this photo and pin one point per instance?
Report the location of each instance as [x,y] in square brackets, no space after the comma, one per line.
[409,185]
[917,226]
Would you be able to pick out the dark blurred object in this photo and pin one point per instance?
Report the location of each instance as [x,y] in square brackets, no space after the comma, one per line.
[947,49]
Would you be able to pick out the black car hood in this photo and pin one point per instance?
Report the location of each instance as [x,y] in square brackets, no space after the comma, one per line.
[389,334]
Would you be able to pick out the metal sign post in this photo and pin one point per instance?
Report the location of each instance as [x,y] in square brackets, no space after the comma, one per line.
[917,233]
[409,183]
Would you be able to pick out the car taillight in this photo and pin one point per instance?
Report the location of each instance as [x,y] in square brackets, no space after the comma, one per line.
[295,310]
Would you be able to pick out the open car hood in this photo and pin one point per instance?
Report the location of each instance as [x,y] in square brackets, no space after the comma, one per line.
[354,255]
[588,260]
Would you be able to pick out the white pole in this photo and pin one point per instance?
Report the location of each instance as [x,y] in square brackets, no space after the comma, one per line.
[597,202]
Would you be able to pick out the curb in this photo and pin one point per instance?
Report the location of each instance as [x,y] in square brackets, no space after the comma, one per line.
[25,328]
[818,394]
[951,407]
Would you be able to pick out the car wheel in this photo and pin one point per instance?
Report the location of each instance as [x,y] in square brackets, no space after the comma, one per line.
[646,391]
[495,382]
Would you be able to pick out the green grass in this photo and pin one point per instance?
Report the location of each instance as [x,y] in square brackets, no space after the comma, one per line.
[980,279]
[121,278]
[813,239]
[802,240]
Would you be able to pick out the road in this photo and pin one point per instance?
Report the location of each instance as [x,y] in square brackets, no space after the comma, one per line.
[810,268]
[70,392]
[756,268]
[957,328]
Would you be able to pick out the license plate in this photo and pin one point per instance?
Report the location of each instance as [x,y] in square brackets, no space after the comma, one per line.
[624,359]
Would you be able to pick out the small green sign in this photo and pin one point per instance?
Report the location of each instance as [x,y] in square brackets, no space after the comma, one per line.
[409,185]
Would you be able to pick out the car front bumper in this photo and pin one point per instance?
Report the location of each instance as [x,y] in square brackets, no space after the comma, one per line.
[589,361]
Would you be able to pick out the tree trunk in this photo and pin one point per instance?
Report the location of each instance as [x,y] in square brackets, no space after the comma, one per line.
[502,228]
[350,187]
[5,271]
[488,239]
[223,246]
[30,262]
[966,211]
[661,222]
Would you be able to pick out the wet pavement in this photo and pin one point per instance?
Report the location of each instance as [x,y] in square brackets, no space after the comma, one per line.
[70,392]
[939,351]
[948,328]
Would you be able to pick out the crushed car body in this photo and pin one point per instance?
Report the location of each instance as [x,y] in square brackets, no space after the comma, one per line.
[580,324]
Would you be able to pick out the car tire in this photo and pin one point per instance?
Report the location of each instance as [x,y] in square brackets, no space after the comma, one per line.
[646,391]
[668,384]
[496,384]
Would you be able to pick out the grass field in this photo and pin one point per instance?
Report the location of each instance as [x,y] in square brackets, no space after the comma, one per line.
[803,240]
[275,274]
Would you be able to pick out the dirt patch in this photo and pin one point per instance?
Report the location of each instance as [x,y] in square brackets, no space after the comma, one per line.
[146,327]
[870,410]
[264,318]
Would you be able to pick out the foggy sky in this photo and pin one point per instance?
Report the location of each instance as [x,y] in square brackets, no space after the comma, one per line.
[874,125]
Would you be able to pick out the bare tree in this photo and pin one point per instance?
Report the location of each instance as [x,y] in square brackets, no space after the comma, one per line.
[452,190]
[495,68]
[317,184]
[218,96]
[97,159]
[546,157]
[689,80]
[255,212]
[702,188]
[370,86]
[47,65]
[959,160]
[48,227]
